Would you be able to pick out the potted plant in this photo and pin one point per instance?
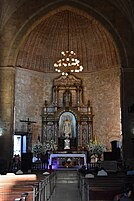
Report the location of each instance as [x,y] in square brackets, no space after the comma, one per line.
[51,145]
[39,148]
[96,149]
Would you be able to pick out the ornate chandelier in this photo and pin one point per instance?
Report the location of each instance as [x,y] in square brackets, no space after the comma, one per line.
[69,62]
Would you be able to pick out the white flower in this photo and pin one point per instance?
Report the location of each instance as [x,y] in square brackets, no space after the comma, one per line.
[39,148]
[96,148]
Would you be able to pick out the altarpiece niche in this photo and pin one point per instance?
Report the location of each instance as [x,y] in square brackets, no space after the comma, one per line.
[67,120]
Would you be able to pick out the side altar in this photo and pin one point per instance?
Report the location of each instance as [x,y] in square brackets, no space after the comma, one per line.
[66,119]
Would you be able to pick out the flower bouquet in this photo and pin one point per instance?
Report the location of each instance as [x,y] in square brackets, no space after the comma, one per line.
[95,148]
[41,148]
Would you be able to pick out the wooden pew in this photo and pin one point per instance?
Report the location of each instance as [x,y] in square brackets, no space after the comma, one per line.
[12,186]
[103,193]
[103,188]
[16,192]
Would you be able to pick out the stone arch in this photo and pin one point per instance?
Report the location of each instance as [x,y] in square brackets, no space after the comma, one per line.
[91,42]
[26,28]
[63,110]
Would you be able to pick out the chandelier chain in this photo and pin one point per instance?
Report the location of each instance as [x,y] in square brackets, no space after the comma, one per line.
[69,62]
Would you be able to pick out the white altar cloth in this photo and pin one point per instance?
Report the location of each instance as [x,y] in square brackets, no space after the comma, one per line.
[62,155]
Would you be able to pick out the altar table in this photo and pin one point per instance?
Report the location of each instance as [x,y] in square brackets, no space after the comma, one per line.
[67,156]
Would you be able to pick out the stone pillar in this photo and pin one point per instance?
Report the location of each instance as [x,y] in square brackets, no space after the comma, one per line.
[7,90]
[127,110]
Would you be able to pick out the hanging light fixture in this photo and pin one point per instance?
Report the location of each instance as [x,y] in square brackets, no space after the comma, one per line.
[69,62]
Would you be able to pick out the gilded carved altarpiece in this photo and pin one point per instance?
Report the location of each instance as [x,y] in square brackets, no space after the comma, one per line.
[67,115]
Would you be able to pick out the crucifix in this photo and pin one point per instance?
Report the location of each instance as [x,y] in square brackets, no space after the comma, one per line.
[29,133]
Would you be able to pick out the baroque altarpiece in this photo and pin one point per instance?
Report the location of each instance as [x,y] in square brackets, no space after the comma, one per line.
[67,117]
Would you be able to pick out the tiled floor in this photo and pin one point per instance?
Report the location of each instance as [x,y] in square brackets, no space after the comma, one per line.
[66,192]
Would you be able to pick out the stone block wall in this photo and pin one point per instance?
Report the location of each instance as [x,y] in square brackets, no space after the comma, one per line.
[31,90]
[102,88]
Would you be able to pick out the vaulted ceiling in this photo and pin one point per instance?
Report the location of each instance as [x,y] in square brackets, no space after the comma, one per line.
[37,33]
[91,42]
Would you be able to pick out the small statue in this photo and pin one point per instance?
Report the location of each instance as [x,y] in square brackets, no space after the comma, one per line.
[67,128]
[67,143]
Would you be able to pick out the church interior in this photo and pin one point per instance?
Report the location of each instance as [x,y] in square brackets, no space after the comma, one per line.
[66,81]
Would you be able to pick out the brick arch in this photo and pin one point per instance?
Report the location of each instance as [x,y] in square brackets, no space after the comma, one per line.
[88,39]
[101,32]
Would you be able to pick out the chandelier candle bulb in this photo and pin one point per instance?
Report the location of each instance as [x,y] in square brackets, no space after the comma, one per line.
[68,64]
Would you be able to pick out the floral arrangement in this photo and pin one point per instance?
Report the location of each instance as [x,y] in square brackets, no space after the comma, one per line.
[39,148]
[95,148]
[51,145]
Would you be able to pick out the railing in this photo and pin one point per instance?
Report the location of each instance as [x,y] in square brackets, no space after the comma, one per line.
[41,166]
[93,166]
[82,187]
[44,190]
